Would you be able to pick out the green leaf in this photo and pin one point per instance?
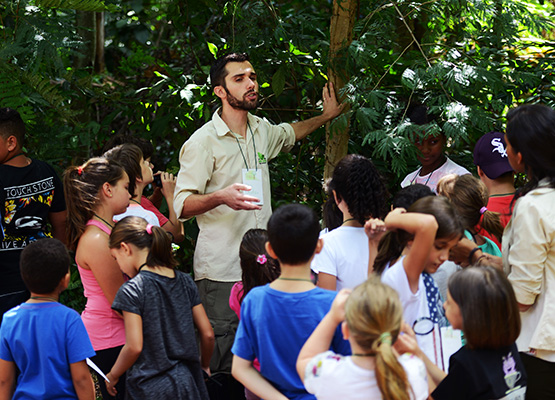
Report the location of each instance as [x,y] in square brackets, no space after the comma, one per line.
[278,81]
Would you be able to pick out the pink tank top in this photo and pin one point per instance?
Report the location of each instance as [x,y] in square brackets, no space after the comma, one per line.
[104,325]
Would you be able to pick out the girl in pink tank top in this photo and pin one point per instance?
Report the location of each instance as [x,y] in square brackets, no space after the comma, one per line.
[95,192]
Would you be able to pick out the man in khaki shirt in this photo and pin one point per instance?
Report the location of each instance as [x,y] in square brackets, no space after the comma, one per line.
[214,162]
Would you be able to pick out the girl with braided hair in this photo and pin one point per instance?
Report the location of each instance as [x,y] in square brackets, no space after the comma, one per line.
[348,254]
[372,316]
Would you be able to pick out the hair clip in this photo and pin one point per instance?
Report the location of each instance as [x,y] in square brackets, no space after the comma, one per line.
[261,259]
[483,210]
[80,170]
[149,229]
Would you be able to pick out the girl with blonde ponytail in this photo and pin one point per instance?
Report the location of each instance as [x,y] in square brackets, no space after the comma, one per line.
[161,308]
[370,319]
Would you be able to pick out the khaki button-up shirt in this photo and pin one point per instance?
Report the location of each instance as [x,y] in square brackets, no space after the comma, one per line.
[211,160]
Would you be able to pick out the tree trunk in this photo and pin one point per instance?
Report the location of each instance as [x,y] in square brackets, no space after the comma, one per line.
[341,35]
[99,43]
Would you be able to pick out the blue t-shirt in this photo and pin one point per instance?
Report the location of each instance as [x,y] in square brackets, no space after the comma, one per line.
[274,327]
[43,339]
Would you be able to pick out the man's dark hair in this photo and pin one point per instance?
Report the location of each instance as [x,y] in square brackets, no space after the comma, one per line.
[43,264]
[293,232]
[11,124]
[128,156]
[218,71]
[408,195]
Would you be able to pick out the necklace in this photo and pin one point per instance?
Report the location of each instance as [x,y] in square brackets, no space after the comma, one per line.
[501,195]
[347,220]
[363,354]
[103,220]
[142,266]
[14,156]
[44,298]
[135,201]
[295,279]
[418,173]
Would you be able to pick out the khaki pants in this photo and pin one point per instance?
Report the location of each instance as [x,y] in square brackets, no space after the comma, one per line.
[215,299]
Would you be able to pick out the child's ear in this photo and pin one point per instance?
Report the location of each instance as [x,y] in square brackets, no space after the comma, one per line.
[127,250]
[11,143]
[345,330]
[270,250]
[319,246]
[64,283]
[107,189]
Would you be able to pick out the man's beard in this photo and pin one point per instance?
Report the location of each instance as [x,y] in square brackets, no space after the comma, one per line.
[246,105]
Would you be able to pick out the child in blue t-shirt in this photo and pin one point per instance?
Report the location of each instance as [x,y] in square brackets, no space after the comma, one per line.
[42,339]
[278,318]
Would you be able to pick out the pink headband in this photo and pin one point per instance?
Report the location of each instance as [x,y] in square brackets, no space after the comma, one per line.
[149,229]
[483,210]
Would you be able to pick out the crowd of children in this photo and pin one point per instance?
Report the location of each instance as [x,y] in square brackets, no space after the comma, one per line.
[448,296]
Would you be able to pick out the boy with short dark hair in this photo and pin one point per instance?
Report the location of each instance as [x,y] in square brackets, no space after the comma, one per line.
[31,195]
[277,319]
[44,340]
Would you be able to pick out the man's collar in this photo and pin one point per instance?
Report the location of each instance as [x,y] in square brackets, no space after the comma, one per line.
[222,128]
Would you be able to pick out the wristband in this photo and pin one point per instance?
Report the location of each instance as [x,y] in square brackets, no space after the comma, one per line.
[479,258]
[471,254]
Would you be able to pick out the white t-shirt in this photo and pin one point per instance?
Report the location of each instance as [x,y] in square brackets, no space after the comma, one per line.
[137,210]
[431,180]
[344,255]
[332,376]
[415,305]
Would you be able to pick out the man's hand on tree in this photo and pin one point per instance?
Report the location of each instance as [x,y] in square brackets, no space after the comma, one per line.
[331,107]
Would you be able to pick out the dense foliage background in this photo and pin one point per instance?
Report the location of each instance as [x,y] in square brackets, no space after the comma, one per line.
[80,71]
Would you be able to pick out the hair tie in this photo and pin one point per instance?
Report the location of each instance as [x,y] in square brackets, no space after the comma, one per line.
[261,259]
[149,229]
[80,170]
[483,210]
[385,338]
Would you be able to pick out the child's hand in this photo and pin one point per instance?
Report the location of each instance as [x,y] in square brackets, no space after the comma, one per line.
[168,184]
[337,311]
[406,341]
[393,216]
[110,386]
[374,229]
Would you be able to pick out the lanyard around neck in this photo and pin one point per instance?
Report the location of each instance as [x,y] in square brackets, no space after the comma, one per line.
[254,147]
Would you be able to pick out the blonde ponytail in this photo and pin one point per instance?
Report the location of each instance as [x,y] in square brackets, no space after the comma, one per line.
[374,314]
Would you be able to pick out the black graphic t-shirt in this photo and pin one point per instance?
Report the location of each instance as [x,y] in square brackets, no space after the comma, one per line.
[27,195]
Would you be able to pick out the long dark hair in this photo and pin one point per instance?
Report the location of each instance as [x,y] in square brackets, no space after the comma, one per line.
[531,132]
[488,307]
[393,242]
[257,266]
[82,185]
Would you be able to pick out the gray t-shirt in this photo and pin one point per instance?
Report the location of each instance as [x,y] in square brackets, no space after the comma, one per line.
[169,364]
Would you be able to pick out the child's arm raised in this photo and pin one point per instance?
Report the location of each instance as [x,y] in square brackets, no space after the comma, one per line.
[321,338]
[82,380]
[174,226]
[130,351]
[244,372]
[424,228]
[7,379]
[207,338]
[374,229]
